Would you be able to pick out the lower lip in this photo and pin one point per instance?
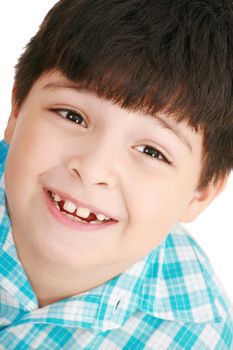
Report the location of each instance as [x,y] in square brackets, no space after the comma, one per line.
[62,218]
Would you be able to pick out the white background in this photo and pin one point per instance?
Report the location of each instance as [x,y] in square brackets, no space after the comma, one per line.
[19,20]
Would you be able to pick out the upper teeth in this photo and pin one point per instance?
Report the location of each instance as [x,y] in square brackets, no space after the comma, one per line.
[82,212]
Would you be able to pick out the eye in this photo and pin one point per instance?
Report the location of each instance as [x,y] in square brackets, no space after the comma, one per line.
[69,115]
[154,153]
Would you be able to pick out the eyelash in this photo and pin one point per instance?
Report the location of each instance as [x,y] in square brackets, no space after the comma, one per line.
[158,153]
[72,114]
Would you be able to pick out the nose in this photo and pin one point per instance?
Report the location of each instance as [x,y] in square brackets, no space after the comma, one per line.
[95,164]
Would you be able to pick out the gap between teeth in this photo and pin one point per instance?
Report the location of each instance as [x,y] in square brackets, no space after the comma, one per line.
[83,212]
[76,219]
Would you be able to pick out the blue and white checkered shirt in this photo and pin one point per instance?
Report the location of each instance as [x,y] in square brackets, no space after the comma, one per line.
[170,299]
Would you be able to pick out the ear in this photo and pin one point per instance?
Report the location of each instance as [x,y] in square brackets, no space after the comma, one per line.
[202,199]
[9,131]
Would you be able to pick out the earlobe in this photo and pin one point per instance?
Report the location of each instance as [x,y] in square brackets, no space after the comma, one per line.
[202,199]
[9,131]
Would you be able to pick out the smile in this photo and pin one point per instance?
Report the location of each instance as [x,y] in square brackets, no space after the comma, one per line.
[77,213]
[76,217]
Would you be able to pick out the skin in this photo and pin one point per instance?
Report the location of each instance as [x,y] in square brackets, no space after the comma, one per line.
[101,161]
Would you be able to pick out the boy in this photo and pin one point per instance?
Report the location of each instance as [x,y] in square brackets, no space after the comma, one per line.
[121,127]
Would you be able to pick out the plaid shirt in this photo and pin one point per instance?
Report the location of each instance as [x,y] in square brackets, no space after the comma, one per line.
[170,299]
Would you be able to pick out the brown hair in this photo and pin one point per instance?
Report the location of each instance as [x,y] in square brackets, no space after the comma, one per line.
[147,55]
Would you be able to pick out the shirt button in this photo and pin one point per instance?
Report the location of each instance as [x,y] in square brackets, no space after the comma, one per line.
[117,304]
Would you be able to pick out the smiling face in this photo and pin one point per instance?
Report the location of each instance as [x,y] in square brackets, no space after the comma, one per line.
[140,170]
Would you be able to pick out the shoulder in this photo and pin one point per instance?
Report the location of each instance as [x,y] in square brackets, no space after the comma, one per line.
[201,312]
[3,150]
[3,154]
[185,307]
[196,269]
[167,335]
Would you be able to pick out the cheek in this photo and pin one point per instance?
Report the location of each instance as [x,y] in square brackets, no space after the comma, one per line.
[36,146]
[26,159]
[160,200]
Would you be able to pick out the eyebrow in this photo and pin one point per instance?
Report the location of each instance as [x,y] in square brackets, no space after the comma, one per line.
[172,128]
[158,120]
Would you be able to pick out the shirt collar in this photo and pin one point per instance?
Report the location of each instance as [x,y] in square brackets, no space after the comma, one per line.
[171,283]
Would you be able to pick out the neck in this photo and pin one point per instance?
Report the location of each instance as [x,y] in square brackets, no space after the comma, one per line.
[52,282]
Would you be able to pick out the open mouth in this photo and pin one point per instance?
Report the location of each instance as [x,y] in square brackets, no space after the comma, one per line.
[77,214]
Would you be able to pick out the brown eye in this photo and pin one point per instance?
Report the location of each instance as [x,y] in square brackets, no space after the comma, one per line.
[154,153]
[69,115]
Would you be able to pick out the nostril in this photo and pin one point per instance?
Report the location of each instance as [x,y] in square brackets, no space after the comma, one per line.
[75,172]
[102,183]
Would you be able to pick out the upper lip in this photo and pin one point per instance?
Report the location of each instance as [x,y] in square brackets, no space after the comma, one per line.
[81,204]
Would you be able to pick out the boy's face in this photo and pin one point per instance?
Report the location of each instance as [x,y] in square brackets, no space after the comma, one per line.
[102,161]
